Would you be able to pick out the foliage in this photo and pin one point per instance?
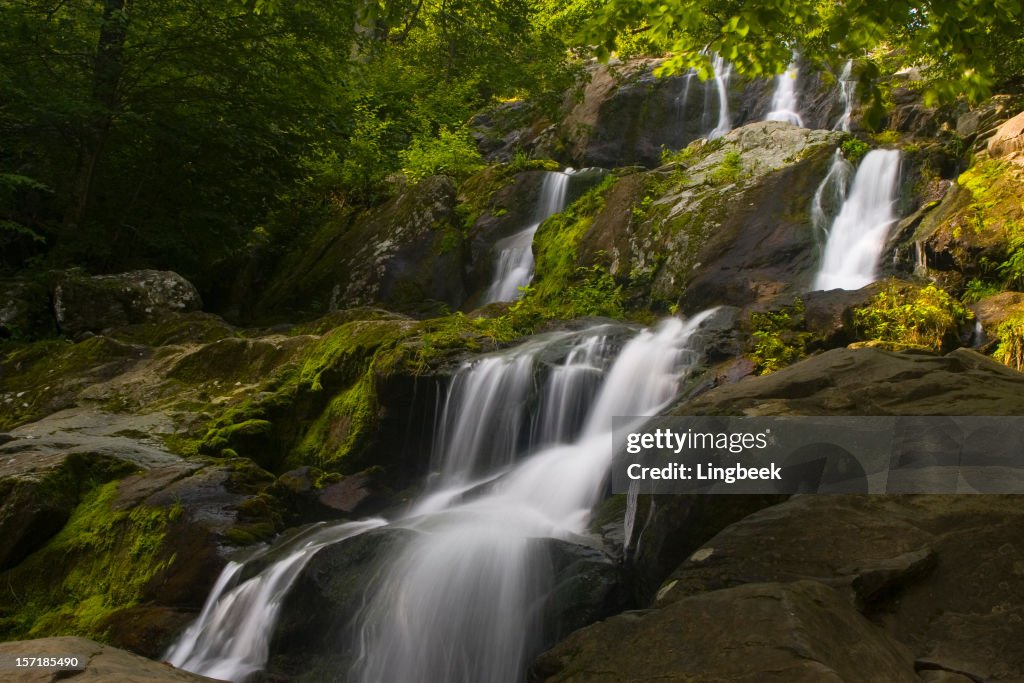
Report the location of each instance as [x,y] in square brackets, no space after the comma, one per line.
[969,46]
[1010,349]
[854,149]
[451,153]
[925,317]
[995,216]
[976,290]
[778,338]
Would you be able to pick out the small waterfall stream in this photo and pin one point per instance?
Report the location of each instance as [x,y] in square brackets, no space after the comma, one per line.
[784,100]
[847,86]
[830,195]
[464,600]
[858,234]
[723,71]
[514,265]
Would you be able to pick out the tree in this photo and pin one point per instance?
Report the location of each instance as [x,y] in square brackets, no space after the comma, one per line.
[970,45]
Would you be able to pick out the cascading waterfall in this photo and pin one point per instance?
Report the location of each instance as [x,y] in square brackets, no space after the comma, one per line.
[723,72]
[784,100]
[847,87]
[858,234]
[514,266]
[463,601]
[231,637]
[830,195]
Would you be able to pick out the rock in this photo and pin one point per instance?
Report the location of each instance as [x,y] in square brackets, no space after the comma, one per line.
[85,303]
[100,663]
[939,573]
[991,311]
[354,495]
[829,315]
[763,632]
[131,531]
[731,227]
[408,254]
[870,381]
[1008,140]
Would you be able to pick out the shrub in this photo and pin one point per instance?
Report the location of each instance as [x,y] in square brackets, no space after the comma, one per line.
[451,153]
[925,317]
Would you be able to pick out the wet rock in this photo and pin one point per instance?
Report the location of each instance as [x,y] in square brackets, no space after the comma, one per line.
[764,632]
[85,303]
[101,663]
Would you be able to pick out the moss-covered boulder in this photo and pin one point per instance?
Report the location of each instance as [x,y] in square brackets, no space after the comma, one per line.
[408,254]
[726,222]
[83,303]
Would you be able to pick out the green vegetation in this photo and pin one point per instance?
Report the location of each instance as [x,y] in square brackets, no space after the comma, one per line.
[101,562]
[854,150]
[967,48]
[729,170]
[778,338]
[1010,346]
[912,316]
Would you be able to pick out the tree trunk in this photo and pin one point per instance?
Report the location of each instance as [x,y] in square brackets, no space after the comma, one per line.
[108,66]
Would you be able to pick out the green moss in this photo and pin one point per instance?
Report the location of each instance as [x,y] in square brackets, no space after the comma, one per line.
[728,171]
[100,563]
[912,316]
[43,371]
[186,328]
[778,338]
[556,243]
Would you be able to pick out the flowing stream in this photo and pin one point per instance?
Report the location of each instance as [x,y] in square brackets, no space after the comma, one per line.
[847,86]
[723,71]
[784,100]
[464,599]
[513,268]
[858,234]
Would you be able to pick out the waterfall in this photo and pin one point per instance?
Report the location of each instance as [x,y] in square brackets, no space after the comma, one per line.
[847,87]
[463,601]
[231,637]
[514,265]
[830,195]
[722,73]
[784,101]
[858,234]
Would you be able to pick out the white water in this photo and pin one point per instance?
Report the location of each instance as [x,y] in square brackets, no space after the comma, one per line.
[858,234]
[784,100]
[847,87]
[231,637]
[723,72]
[830,195]
[463,602]
[513,268]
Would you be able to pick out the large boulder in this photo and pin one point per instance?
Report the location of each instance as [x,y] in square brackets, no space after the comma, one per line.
[1008,140]
[765,633]
[84,303]
[872,381]
[944,570]
[408,254]
[106,533]
[728,224]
